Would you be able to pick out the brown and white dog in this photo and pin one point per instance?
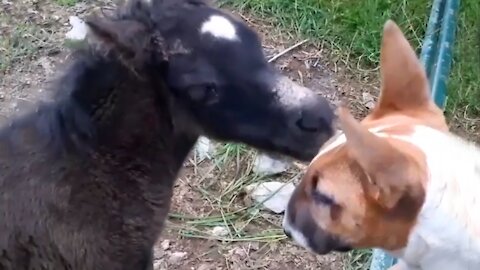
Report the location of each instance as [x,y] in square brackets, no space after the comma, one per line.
[398,180]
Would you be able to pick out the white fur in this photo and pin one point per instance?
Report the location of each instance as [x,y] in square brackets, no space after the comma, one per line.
[297,236]
[447,233]
[340,139]
[219,27]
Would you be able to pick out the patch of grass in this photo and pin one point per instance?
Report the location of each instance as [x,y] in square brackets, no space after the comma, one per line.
[358,260]
[353,29]
[242,222]
[228,151]
[21,40]
[464,82]
[353,26]
[17,44]
[67,3]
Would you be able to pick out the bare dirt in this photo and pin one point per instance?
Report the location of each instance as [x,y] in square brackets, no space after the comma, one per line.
[31,52]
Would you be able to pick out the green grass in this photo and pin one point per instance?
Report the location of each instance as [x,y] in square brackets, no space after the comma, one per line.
[464,83]
[358,260]
[353,28]
[22,38]
[67,3]
[224,208]
[21,43]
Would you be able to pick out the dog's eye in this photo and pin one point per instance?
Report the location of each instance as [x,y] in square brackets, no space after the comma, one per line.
[322,198]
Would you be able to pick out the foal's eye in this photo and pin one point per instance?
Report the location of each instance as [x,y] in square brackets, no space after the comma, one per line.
[211,88]
[321,198]
[203,93]
[212,94]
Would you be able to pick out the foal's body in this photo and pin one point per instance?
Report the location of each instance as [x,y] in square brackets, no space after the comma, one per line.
[86,181]
[108,200]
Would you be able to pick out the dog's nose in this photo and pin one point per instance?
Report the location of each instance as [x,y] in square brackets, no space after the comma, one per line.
[316,116]
[287,233]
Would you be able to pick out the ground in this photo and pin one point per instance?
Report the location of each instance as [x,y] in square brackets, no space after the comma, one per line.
[208,193]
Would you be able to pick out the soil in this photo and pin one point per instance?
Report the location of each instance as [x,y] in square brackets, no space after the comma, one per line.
[38,57]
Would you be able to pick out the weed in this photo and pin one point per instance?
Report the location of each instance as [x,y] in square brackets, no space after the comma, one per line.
[464,82]
[18,44]
[67,3]
[358,260]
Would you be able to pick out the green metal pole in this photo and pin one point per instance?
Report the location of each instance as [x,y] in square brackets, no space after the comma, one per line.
[439,73]
[436,57]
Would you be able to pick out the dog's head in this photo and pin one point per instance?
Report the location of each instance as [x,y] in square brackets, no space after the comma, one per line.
[366,186]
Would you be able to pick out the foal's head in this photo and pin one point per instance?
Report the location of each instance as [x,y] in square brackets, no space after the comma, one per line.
[217,75]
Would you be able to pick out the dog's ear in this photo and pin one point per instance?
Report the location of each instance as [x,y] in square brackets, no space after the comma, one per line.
[404,81]
[386,168]
[128,37]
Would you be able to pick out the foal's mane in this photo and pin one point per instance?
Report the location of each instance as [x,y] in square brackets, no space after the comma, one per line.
[115,50]
[65,124]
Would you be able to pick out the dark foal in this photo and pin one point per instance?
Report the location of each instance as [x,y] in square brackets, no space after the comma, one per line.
[86,181]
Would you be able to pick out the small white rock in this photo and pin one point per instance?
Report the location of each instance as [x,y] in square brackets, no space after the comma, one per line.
[368,100]
[274,195]
[220,231]
[177,257]
[160,265]
[266,165]
[157,265]
[205,266]
[204,148]
[238,251]
[165,244]
[158,253]
[79,29]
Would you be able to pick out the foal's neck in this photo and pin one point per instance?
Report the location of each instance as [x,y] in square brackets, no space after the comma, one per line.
[131,116]
[110,113]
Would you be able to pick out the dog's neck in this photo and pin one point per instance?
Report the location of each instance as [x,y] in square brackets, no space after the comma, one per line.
[447,233]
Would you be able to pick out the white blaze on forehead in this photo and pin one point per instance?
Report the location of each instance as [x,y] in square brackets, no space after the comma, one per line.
[291,94]
[340,139]
[219,27]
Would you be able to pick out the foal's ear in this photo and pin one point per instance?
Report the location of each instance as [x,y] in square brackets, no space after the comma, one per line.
[129,37]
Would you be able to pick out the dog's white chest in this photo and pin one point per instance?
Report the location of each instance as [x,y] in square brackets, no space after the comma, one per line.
[419,255]
[447,234]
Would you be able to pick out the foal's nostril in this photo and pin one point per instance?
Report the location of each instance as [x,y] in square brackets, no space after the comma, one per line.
[287,233]
[311,121]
